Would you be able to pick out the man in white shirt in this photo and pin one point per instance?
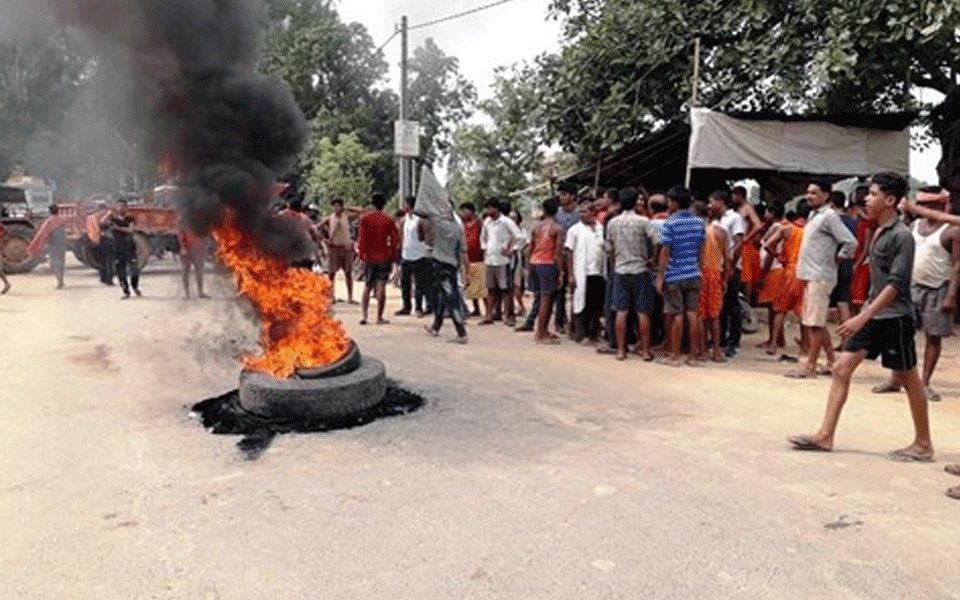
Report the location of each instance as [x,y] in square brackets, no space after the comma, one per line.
[498,238]
[414,267]
[586,266]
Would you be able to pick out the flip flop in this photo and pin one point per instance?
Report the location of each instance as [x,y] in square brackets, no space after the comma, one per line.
[806,443]
[953,469]
[910,455]
[800,375]
[885,388]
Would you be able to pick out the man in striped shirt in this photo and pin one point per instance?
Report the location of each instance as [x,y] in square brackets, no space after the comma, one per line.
[678,278]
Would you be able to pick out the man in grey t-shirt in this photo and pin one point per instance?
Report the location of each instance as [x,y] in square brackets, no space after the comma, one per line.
[884,327]
[826,240]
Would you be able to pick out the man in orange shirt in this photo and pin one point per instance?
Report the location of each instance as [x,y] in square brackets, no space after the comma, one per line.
[378,245]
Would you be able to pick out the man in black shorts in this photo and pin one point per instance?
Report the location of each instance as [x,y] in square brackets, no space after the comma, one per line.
[883,328]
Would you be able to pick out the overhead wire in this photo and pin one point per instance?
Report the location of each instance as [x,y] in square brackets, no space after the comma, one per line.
[458,15]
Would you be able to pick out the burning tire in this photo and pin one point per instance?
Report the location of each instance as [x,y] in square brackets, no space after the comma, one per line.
[14,251]
[306,399]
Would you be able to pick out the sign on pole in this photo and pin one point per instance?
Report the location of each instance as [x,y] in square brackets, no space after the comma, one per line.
[406,138]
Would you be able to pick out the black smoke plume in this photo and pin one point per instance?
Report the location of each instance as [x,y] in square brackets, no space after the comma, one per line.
[231,133]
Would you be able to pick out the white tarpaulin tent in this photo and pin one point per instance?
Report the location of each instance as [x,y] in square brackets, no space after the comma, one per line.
[719,141]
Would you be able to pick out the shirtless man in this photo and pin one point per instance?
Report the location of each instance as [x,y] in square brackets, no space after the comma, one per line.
[936,277]
[788,295]
[750,253]
[335,229]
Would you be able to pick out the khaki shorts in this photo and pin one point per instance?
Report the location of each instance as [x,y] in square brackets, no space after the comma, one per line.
[927,302]
[477,290]
[340,259]
[816,303]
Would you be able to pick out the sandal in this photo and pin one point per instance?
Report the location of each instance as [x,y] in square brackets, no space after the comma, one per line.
[910,455]
[806,443]
[885,388]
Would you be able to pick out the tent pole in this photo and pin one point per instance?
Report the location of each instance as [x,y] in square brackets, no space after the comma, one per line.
[694,97]
[596,178]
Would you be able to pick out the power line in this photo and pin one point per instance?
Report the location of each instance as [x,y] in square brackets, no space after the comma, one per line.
[444,20]
[459,15]
[389,39]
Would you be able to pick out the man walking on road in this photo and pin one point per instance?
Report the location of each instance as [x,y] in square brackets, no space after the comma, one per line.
[936,277]
[884,327]
[52,235]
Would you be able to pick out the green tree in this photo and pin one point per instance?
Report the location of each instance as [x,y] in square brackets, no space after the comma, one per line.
[339,170]
[440,98]
[336,75]
[40,79]
[627,64]
[503,154]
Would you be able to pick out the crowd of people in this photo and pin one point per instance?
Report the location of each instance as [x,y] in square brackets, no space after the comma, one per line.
[667,272]
[647,273]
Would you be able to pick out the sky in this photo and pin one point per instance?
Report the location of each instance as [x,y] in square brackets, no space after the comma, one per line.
[500,36]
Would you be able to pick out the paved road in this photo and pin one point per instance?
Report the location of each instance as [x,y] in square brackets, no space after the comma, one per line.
[531,473]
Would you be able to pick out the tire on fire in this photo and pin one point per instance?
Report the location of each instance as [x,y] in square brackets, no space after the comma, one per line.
[308,399]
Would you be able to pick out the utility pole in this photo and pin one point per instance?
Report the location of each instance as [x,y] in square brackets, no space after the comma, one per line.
[406,187]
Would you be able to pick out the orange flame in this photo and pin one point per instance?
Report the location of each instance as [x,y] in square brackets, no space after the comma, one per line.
[294,306]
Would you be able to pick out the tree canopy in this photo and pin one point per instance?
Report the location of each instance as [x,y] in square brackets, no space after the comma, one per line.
[627,65]
[501,154]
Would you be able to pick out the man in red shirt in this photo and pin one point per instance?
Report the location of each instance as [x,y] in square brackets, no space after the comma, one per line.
[378,245]
[476,289]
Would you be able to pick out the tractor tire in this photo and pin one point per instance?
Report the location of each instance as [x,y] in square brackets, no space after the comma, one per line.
[14,250]
[144,249]
[309,399]
[86,253]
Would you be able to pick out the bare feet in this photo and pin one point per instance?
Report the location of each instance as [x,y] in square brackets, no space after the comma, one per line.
[718,357]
